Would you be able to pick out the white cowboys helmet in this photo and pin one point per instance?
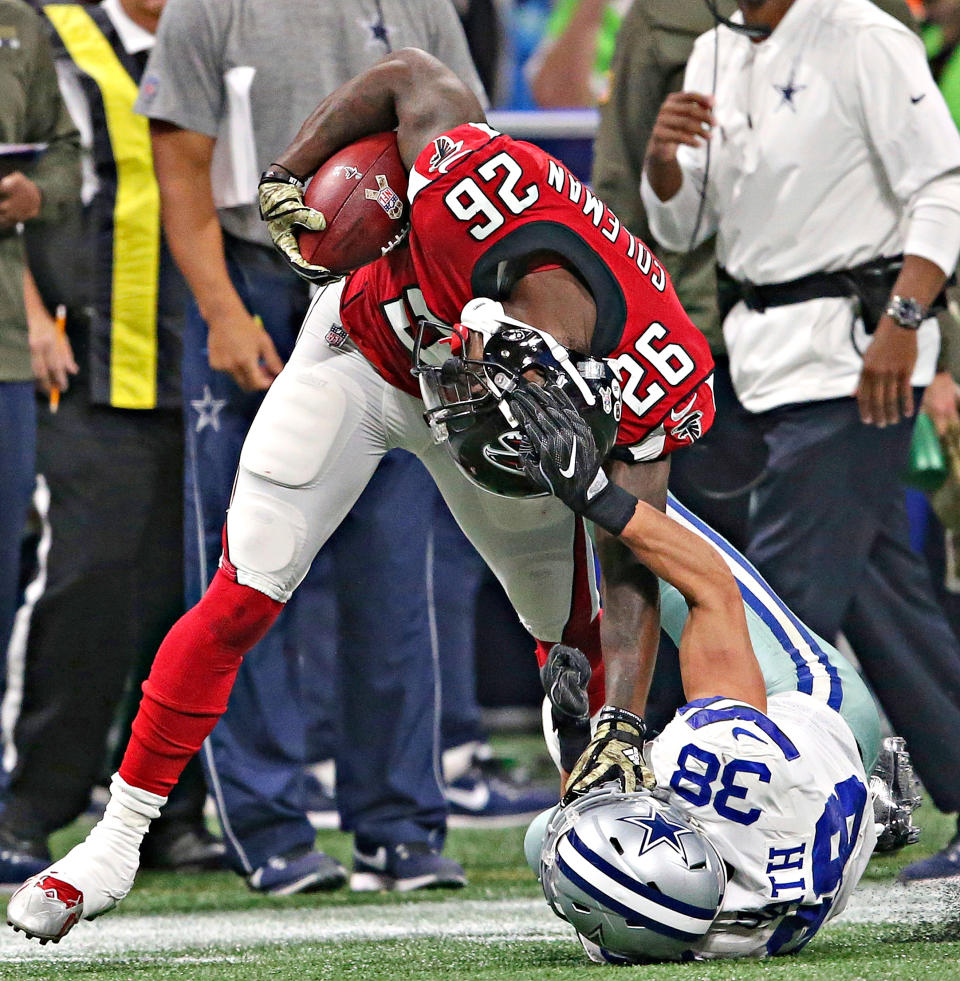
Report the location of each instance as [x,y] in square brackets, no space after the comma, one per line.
[633,876]
[466,404]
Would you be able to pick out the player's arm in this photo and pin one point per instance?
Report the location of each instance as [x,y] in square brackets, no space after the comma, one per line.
[631,594]
[716,656]
[558,302]
[410,91]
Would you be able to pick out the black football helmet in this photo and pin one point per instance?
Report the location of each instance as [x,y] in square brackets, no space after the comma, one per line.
[467,410]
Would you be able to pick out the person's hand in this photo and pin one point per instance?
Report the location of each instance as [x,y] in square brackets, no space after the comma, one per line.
[614,753]
[685,118]
[940,402]
[561,456]
[51,356]
[282,208]
[20,199]
[884,392]
[564,677]
[241,347]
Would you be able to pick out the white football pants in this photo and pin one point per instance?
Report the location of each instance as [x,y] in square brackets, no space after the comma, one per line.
[319,435]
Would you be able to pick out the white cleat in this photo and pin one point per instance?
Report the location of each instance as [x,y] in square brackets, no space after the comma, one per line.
[83,884]
[92,877]
[45,907]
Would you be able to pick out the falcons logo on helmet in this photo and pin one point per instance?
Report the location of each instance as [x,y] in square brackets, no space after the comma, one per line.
[506,455]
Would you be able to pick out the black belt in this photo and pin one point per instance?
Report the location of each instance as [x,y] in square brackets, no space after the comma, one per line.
[869,283]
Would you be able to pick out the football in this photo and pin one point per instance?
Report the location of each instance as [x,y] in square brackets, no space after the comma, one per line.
[362,192]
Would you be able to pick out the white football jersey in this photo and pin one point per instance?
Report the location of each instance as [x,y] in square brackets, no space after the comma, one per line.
[784,798]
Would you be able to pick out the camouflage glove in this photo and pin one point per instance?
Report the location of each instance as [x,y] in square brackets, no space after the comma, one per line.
[614,753]
[282,208]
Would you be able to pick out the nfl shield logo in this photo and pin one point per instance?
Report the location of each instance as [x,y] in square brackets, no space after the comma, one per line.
[386,197]
[336,336]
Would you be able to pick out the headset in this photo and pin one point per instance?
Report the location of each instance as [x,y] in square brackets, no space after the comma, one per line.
[756,32]
[759,32]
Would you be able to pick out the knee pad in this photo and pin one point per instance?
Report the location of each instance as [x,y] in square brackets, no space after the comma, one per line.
[265,543]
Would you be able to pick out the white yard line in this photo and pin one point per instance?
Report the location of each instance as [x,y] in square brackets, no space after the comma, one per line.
[893,902]
[517,919]
[486,921]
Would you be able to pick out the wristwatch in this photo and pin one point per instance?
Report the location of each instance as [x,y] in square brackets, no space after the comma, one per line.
[906,312]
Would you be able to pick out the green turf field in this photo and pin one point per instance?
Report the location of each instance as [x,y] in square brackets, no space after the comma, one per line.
[211,928]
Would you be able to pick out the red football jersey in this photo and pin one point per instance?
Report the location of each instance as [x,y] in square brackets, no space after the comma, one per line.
[482,202]
[379,308]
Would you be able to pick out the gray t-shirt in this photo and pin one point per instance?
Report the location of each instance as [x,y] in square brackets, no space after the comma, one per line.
[250,72]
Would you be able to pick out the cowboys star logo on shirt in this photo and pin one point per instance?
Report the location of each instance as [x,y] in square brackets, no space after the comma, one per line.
[445,153]
[386,197]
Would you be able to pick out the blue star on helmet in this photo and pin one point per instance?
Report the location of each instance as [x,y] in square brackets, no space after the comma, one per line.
[657,830]
[596,935]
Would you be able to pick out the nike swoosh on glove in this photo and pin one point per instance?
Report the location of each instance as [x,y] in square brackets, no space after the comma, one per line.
[561,456]
[282,208]
[614,753]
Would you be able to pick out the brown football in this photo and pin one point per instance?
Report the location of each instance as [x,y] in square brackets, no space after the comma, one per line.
[362,192]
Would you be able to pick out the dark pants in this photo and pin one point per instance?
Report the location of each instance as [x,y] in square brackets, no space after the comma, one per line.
[829,532]
[714,476]
[113,587]
[18,445]
[457,574]
[375,638]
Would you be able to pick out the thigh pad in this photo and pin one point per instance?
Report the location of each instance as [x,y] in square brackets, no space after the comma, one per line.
[298,424]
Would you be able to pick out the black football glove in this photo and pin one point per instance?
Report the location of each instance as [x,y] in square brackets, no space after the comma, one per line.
[561,456]
[564,678]
[614,753]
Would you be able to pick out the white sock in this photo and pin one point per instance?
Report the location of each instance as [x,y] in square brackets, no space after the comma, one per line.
[115,841]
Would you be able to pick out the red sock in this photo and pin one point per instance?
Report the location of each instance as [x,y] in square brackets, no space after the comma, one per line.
[190,681]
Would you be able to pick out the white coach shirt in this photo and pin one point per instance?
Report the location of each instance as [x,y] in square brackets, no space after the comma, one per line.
[827,133]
